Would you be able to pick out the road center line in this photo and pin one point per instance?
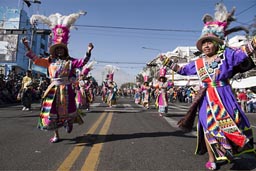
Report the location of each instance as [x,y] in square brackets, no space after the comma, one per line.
[173,124]
[71,158]
[91,161]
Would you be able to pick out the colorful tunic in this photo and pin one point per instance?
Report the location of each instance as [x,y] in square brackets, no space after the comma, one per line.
[145,95]
[112,93]
[104,91]
[137,95]
[83,98]
[221,119]
[58,104]
[162,98]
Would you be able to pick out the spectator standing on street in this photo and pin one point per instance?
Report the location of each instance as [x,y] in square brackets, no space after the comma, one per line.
[25,89]
[26,98]
[242,97]
[58,104]
[223,128]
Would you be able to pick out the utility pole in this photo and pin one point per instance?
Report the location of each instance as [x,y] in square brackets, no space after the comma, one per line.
[31,43]
[33,29]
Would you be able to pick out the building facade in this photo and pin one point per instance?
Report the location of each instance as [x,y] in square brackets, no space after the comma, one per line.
[14,25]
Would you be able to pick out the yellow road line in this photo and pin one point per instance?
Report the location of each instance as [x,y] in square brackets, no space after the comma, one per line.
[93,157]
[71,158]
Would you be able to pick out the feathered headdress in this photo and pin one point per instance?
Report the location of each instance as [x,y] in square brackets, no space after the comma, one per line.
[145,75]
[60,26]
[216,28]
[162,72]
[110,70]
[87,68]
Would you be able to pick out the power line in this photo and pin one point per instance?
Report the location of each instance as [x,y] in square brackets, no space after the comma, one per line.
[115,62]
[137,28]
[246,9]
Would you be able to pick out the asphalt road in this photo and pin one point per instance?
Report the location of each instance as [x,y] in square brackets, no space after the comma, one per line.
[124,137]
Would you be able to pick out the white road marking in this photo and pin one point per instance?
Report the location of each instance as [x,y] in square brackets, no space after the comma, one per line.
[173,124]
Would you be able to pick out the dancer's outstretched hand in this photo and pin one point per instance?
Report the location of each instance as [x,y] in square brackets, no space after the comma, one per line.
[90,47]
[25,42]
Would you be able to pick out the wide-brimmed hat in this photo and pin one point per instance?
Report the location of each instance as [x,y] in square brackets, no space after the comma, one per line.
[215,27]
[208,36]
[53,47]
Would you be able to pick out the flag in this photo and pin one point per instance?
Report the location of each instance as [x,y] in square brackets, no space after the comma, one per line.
[27,2]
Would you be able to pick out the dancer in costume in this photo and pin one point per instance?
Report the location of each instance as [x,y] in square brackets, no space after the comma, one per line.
[111,86]
[104,90]
[58,104]
[146,89]
[83,98]
[90,87]
[162,87]
[137,94]
[223,128]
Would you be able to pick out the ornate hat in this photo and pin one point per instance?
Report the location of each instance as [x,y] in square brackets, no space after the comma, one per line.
[60,26]
[210,33]
[162,73]
[60,38]
[145,77]
[215,28]
[110,70]
[87,68]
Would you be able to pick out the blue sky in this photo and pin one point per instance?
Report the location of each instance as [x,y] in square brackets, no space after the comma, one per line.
[179,21]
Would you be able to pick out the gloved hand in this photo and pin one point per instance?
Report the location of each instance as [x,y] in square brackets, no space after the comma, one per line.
[25,42]
[166,61]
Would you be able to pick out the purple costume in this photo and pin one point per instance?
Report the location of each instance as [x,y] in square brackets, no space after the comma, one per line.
[219,72]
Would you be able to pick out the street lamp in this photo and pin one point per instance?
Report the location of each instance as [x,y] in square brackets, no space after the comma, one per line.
[152,65]
[148,48]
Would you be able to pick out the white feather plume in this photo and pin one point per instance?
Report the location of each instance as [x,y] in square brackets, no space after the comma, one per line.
[40,18]
[57,19]
[111,69]
[69,20]
[221,12]
[90,65]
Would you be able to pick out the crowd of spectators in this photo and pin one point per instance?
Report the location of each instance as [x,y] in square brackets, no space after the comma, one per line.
[10,86]
[247,99]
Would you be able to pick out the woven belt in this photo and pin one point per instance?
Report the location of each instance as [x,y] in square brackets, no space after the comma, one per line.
[215,84]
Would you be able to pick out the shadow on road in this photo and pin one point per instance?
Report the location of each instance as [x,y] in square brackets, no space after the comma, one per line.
[90,139]
[243,162]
